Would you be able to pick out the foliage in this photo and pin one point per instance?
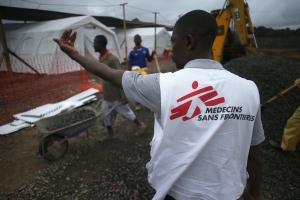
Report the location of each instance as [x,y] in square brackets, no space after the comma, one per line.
[262,31]
[135,20]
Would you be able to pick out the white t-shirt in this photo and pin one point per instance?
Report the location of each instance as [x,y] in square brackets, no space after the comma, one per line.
[204,126]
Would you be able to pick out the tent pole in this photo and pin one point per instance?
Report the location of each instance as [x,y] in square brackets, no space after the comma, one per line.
[155,30]
[124,26]
[1,58]
[5,49]
[23,61]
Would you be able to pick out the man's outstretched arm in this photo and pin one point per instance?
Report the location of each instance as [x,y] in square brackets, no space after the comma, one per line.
[66,44]
[255,171]
[129,67]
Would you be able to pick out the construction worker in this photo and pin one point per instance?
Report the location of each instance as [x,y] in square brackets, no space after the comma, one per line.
[113,95]
[137,60]
[291,132]
[166,52]
[208,131]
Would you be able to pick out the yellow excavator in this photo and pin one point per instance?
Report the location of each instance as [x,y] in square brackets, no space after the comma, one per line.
[233,18]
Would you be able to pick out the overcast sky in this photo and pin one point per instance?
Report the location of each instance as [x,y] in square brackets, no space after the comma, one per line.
[269,13]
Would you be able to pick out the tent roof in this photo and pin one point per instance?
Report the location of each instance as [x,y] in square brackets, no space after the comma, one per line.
[59,24]
[25,14]
[142,31]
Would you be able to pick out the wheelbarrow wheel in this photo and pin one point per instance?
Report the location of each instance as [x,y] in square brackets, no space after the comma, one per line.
[53,147]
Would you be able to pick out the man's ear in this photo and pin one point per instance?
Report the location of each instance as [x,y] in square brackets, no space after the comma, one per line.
[190,42]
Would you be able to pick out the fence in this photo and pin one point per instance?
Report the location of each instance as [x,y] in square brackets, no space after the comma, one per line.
[59,78]
[54,78]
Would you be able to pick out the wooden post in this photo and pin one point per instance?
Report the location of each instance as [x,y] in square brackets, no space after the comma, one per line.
[5,49]
[1,58]
[124,26]
[155,30]
[23,61]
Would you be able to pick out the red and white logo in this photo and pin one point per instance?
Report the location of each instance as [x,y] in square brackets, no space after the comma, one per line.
[206,95]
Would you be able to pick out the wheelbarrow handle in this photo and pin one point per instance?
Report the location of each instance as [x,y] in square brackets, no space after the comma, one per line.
[99,103]
[114,107]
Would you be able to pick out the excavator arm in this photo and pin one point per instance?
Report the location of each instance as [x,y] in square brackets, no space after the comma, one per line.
[238,12]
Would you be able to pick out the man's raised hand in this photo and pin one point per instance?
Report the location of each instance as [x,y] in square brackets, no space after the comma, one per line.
[66,42]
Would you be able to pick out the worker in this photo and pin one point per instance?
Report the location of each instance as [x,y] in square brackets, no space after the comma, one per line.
[291,132]
[137,60]
[166,52]
[112,95]
[208,130]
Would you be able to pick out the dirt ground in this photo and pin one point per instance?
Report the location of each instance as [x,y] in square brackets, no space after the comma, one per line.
[17,150]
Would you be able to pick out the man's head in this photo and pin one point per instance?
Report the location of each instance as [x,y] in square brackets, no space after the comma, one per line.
[193,37]
[137,40]
[100,43]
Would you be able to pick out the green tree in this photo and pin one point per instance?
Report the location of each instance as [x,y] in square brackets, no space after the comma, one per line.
[262,31]
[135,20]
[297,32]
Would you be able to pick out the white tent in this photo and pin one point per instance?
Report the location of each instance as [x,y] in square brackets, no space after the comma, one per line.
[163,39]
[34,43]
[170,32]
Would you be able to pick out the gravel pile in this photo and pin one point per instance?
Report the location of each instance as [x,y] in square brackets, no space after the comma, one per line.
[273,75]
[71,118]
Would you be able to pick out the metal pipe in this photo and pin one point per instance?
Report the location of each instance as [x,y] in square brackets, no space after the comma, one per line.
[223,7]
[254,40]
[124,25]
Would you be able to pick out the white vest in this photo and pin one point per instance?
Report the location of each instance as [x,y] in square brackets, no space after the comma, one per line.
[200,150]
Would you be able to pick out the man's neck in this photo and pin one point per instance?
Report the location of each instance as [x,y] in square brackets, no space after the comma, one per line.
[103,51]
[138,47]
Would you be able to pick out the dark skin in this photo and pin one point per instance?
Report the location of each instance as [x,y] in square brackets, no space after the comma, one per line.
[66,44]
[255,170]
[138,44]
[187,48]
[184,49]
[98,47]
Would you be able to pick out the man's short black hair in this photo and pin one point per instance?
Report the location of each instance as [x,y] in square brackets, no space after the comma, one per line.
[101,39]
[137,35]
[200,24]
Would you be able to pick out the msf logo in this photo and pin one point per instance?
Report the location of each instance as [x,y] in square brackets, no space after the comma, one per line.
[206,95]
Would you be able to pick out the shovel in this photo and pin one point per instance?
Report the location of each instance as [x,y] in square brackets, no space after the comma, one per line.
[280,94]
[157,65]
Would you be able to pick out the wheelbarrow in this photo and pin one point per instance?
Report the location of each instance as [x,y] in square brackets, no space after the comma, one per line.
[55,144]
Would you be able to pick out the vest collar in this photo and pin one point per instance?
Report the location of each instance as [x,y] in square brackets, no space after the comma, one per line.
[135,49]
[102,57]
[204,64]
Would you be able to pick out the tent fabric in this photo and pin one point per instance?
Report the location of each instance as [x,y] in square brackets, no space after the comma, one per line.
[34,43]
[163,39]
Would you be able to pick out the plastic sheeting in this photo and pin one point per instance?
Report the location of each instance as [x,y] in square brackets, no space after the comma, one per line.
[27,118]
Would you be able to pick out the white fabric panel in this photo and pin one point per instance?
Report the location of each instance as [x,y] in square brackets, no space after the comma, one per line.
[8,128]
[83,95]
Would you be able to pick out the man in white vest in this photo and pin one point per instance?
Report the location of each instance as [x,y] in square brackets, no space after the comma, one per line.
[208,130]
